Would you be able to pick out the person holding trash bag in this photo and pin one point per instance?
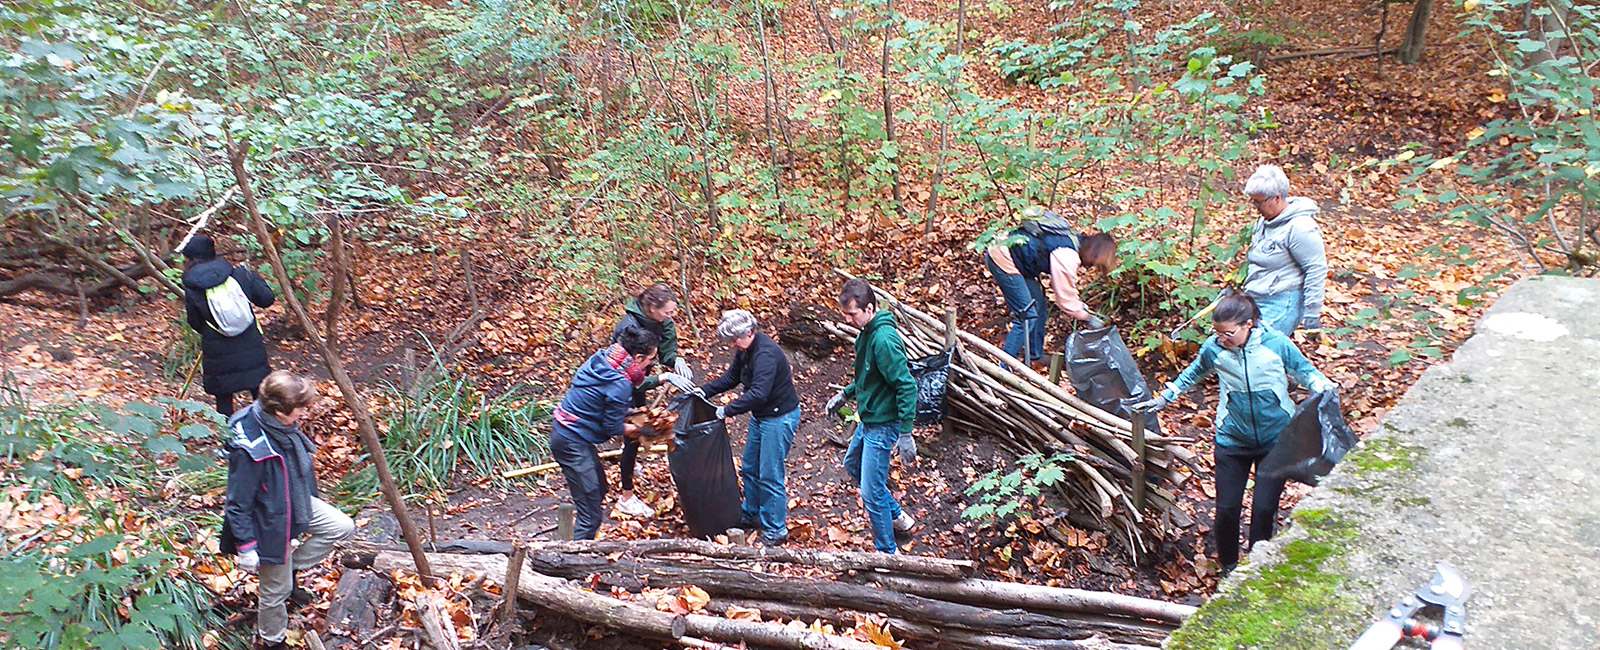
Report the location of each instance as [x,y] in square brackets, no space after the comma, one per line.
[1253,365]
[593,411]
[769,397]
[217,301]
[272,499]
[1046,246]
[1287,264]
[886,399]
[653,310]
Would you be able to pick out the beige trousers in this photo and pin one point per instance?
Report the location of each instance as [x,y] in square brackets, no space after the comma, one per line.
[327,526]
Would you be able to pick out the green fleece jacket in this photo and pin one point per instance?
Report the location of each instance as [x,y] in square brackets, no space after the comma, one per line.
[666,351]
[884,390]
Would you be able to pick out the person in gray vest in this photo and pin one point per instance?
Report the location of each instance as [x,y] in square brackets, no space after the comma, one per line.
[1045,248]
[1287,264]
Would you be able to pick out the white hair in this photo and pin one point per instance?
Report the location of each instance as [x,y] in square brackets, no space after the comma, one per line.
[736,324]
[1268,181]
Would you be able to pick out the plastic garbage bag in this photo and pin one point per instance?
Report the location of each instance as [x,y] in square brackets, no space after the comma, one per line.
[702,468]
[931,372]
[1315,440]
[1104,374]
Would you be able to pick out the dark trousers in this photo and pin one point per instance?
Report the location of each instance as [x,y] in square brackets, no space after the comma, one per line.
[1233,465]
[586,480]
[225,402]
[630,447]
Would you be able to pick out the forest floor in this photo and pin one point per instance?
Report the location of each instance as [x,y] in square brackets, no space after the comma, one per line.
[1329,109]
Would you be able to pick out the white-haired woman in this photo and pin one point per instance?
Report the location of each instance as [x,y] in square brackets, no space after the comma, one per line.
[769,397]
[1288,267]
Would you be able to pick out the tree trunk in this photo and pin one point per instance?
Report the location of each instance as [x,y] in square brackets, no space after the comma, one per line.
[888,109]
[341,276]
[347,387]
[359,602]
[926,635]
[1056,599]
[944,125]
[838,561]
[1411,48]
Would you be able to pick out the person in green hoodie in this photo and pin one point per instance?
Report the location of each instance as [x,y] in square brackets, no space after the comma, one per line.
[652,310]
[886,399]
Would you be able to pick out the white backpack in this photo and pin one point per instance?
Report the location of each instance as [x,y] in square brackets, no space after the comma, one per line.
[230,308]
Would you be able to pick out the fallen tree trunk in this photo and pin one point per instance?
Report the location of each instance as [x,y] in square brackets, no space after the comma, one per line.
[840,561]
[547,592]
[561,597]
[1008,594]
[927,636]
[634,575]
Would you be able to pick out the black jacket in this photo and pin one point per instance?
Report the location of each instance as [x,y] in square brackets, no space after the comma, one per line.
[228,364]
[764,372]
[259,513]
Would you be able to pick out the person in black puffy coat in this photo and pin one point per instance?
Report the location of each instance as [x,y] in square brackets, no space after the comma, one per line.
[228,364]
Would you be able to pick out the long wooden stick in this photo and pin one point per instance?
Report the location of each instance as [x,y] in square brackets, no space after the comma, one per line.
[347,387]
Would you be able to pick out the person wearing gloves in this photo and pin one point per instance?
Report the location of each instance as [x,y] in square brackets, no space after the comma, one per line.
[1287,264]
[886,400]
[760,366]
[1037,249]
[652,310]
[1253,365]
[229,363]
[272,499]
[593,411]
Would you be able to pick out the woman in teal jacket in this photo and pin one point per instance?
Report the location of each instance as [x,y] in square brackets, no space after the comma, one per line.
[1253,366]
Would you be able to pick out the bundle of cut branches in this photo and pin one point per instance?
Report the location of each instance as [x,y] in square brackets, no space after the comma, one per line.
[749,591]
[991,392]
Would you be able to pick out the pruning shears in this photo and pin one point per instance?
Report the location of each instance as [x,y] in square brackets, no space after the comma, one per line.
[1447,592]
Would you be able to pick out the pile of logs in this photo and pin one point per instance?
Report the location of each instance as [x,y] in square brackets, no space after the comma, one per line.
[930,602]
[991,392]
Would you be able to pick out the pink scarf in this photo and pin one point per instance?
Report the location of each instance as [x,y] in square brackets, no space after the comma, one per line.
[621,360]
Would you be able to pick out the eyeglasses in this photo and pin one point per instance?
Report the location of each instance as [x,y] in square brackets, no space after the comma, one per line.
[1235,332]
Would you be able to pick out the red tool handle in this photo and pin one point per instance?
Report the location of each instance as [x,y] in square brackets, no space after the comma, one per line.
[1381,636]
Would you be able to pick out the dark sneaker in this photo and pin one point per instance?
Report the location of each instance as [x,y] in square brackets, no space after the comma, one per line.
[774,541]
[301,598]
[749,524]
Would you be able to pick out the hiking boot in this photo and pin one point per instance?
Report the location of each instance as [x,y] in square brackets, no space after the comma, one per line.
[774,541]
[745,523]
[635,507]
[903,523]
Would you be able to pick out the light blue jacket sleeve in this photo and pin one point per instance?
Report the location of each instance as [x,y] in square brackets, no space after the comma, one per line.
[1203,366]
[1298,367]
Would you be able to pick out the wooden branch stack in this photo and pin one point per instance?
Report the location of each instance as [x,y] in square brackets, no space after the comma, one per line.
[928,602]
[991,392]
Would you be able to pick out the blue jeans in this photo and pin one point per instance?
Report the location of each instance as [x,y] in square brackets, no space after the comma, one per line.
[766,500]
[1029,311]
[867,461]
[1281,311]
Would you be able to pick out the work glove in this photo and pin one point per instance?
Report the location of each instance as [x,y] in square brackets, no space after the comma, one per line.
[906,448]
[248,560]
[1311,327]
[722,412]
[680,382]
[682,367]
[1152,405]
[1095,322]
[835,404]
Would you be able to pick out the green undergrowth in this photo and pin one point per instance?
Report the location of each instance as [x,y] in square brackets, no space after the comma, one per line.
[448,431]
[1297,602]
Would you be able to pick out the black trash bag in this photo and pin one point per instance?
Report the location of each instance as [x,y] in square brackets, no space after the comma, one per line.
[931,372]
[1104,373]
[702,468]
[1315,440]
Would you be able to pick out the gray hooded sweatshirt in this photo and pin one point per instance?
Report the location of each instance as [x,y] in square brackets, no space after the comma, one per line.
[1286,254]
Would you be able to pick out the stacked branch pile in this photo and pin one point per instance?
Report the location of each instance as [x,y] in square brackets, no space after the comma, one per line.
[991,392]
[928,602]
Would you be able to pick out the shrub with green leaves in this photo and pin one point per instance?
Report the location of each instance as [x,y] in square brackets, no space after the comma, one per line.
[1006,495]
